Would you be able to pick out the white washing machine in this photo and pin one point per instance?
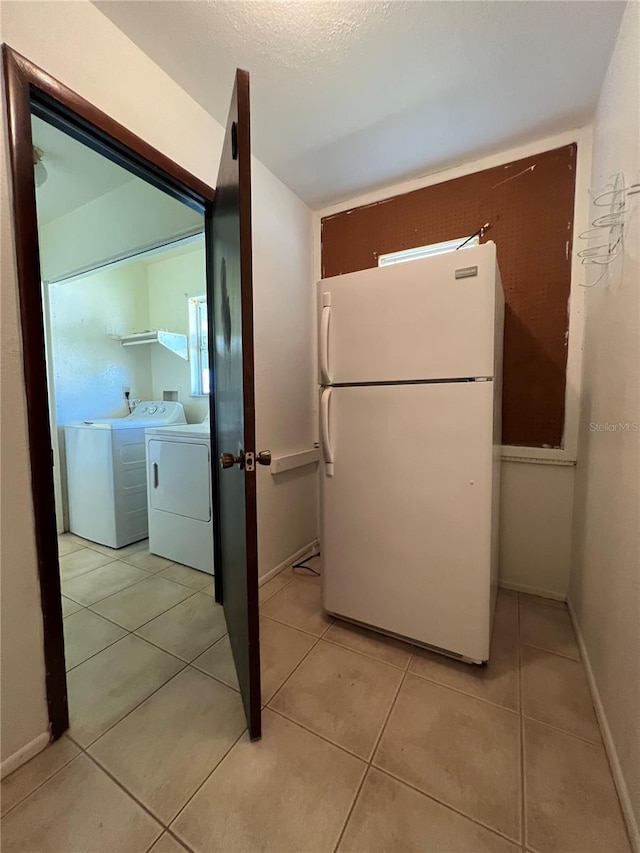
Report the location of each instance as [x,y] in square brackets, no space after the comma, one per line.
[106,473]
[179,494]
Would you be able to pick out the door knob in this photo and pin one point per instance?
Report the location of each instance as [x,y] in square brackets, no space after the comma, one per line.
[264,457]
[228,460]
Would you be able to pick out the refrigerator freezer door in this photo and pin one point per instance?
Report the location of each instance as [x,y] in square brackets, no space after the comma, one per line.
[426,319]
[406,516]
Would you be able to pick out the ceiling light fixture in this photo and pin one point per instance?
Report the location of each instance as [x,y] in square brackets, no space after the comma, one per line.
[40,170]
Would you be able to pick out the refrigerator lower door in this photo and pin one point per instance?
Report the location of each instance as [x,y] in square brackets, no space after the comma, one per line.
[407,510]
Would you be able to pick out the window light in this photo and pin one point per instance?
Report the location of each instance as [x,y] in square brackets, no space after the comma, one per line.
[426,251]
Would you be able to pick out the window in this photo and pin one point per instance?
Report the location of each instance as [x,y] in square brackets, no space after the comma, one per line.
[199,346]
[426,251]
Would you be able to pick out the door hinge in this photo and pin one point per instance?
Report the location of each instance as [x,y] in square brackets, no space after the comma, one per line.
[249,461]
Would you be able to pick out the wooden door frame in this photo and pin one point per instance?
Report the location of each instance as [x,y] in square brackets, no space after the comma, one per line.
[30,90]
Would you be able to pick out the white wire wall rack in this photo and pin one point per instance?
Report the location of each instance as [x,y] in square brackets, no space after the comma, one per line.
[612,205]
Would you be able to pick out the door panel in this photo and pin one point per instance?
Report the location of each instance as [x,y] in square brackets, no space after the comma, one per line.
[229,286]
[410,321]
[406,510]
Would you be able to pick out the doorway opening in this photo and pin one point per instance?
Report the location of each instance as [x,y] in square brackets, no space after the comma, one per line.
[103,299]
[121,262]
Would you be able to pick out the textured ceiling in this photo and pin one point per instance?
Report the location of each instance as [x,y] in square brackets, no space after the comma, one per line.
[349,96]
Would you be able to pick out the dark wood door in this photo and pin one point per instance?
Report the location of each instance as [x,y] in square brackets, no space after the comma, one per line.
[233,407]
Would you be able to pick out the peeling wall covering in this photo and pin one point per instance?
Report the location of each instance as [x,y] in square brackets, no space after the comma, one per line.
[529,206]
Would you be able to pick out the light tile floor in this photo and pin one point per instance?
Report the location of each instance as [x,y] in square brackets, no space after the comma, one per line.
[369,744]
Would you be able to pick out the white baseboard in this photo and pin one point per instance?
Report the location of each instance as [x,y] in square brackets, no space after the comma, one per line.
[307,551]
[24,754]
[532,590]
[621,786]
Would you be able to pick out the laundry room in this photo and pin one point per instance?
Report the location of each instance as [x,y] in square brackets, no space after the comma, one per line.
[125,307]
[336,308]
[126,335]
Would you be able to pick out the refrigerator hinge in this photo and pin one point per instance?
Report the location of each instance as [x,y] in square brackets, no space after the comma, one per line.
[481,379]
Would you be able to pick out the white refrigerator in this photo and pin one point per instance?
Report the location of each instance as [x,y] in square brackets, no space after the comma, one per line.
[410,367]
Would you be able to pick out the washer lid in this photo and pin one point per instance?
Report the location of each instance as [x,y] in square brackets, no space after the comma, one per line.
[147,413]
[118,423]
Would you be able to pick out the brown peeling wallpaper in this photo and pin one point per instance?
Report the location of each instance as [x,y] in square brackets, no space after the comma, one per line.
[529,204]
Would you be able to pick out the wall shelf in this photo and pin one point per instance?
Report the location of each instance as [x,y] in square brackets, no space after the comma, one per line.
[294,460]
[172,341]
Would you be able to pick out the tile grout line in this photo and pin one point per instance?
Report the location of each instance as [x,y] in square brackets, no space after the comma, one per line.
[340,645]
[86,571]
[126,791]
[317,640]
[165,826]
[315,733]
[276,591]
[364,654]
[185,664]
[172,654]
[288,625]
[95,654]
[70,735]
[446,805]
[563,731]
[387,717]
[130,633]
[550,652]
[431,796]
[303,658]
[523,783]
[464,692]
[131,630]
[171,834]
[150,576]
[201,785]
[367,770]
[91,545]
[190,664]
[213,677]
[84,750]
[370,762]
[374,750]
[44,781]
[402,781]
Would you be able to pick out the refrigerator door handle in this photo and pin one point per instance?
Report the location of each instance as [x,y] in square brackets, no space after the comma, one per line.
[324,345]
[324,426]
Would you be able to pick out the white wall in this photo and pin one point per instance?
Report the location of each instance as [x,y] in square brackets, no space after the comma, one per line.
[536,505]
[78,45]
[87,368]
[537,483]
[604,591]
[285,368]
[91,367]
[128,219]
[171,282]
